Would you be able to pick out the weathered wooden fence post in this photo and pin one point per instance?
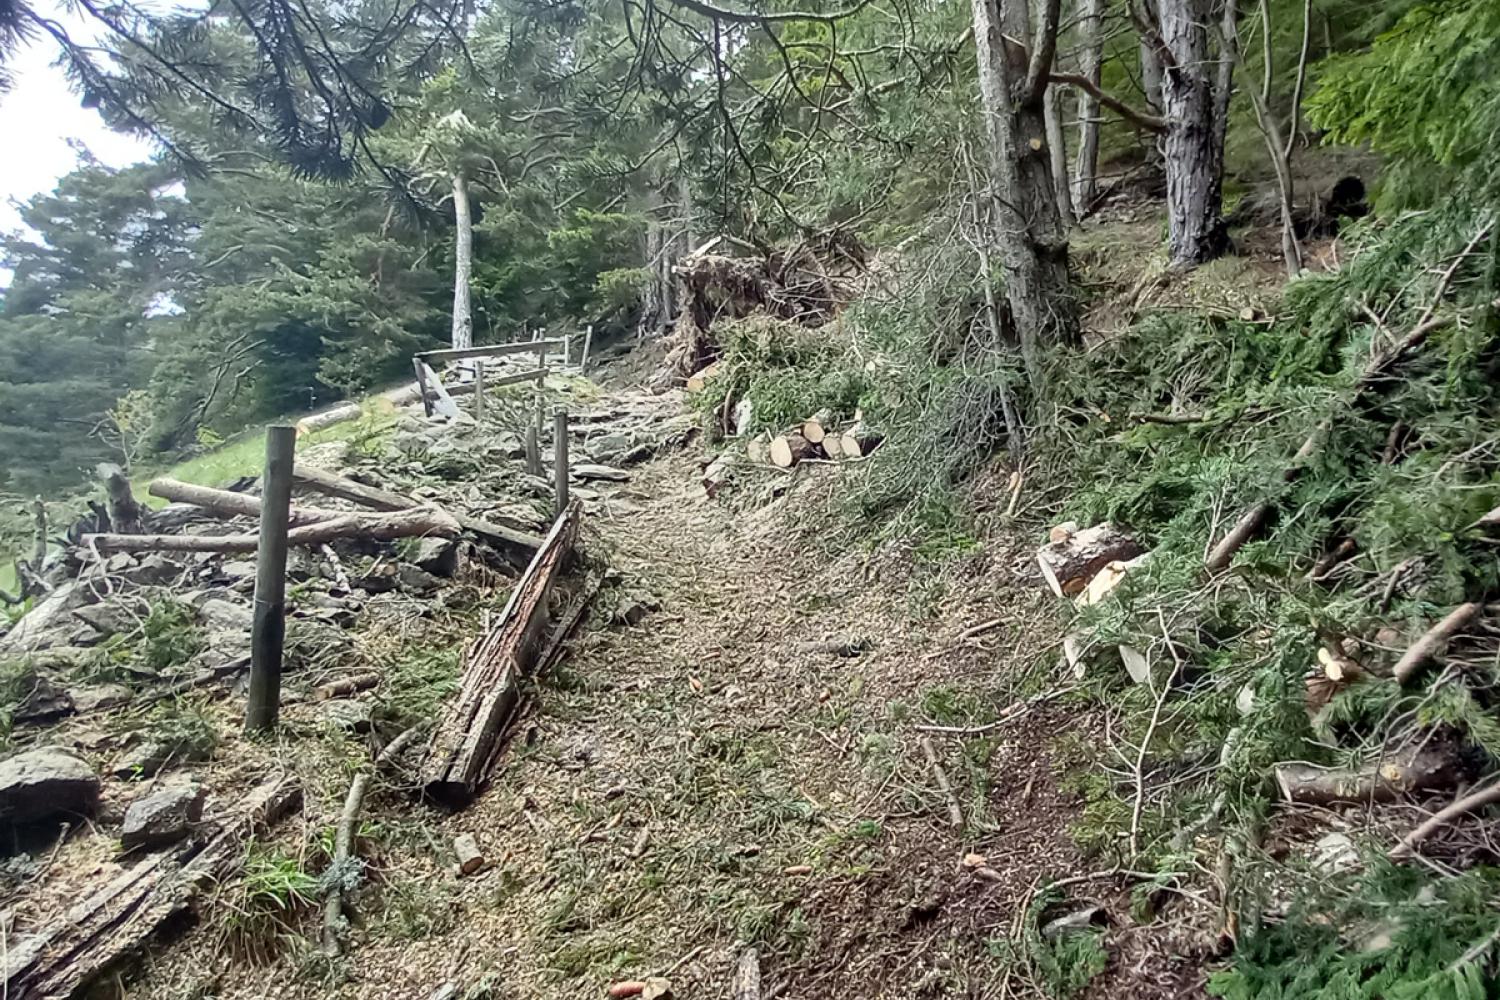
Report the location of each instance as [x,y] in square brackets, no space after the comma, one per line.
[533,452]
[417,366]
[588,339]
[479,391]
[268,626]
[560,458]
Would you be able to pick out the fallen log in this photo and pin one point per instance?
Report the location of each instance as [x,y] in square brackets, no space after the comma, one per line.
[1071,562]
[114,924]
[463,745]
[227,503]
[1379,781]
[790,448]
[415,523]
[314,422]
[328,484]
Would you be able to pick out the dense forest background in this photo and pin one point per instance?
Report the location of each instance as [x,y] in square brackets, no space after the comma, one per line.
[267,265]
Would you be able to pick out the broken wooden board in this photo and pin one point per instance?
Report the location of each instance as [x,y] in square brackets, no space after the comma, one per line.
[114,925]
[463,745]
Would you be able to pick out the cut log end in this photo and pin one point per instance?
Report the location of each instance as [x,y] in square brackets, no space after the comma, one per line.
[790,448]
[1068,565]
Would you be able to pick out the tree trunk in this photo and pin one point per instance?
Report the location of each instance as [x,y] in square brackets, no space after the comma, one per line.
[1058,146]
[1194,147]
[1032,248]
[1086,166]
[463,263]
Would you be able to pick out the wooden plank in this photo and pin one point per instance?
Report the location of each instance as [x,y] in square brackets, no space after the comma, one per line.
[442,404]
[488,351]
[463,746]
[529,375]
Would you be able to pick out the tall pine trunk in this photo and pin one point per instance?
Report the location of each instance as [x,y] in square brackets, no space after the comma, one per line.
[463,263]
[1090,57]
[1031,245]
[1194,108]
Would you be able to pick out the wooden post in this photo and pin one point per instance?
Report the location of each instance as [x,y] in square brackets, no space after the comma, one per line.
[560,458]
[533,452]
[567,352]
[268,626]
[478,392]
[588,339]
[418,367]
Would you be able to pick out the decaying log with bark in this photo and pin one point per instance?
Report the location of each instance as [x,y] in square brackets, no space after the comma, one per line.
[504,535]
[113,925]
[463,745]
[419,522]
[125,514]
[1379,781]
[1070,562]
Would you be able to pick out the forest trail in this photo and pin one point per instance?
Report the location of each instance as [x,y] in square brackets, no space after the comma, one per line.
[731,757]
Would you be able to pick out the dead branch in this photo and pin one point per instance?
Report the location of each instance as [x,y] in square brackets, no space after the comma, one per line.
[955,814]
[227,503]
[1474,800]
[1433,640]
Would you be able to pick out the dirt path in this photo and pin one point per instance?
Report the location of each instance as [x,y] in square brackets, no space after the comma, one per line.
[703,781]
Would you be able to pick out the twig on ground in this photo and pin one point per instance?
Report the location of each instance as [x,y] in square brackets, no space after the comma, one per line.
[955,814]
[1010,714]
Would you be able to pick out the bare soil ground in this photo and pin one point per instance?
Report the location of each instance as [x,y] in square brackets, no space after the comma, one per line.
[706,780]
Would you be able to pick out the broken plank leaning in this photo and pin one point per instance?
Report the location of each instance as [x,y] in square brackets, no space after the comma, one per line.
[463,745]
[114,924]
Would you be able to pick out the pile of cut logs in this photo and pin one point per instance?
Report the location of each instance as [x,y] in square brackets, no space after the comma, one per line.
[819,436]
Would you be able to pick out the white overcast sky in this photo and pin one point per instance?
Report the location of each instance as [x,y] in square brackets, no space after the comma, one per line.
[40,114]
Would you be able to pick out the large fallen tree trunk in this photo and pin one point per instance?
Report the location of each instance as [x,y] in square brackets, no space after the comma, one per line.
[416,523]
[112,925]
[463,745]
[377,499]
[227,503]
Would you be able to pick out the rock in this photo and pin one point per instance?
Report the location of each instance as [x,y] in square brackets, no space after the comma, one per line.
[353,715]
[45,701]
[1078,920]
[588,470]
[146,759]
[106,617]
[38,629]
[93,697]
[1335,853]
[438,556]
[415,580]
[46,782]
[162,817]
[119,563]
[219,615]
[236,570]
[635,607]
[379,579]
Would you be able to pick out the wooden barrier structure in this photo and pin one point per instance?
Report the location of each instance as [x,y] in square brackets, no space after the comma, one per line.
[435,395]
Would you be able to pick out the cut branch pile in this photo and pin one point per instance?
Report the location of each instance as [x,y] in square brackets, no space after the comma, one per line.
[463,745]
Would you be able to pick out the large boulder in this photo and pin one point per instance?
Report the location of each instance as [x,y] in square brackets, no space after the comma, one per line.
[438,556]
[46,782]
[163,817]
